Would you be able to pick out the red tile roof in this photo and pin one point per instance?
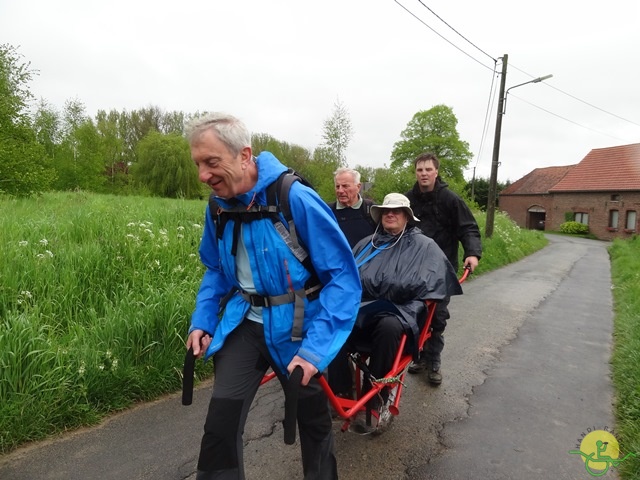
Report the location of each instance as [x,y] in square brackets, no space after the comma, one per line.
[604,169]
[538,181]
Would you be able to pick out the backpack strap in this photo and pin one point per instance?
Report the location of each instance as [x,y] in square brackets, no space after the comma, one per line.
[277,204]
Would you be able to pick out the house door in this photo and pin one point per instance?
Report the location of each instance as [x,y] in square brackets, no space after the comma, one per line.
[536,217]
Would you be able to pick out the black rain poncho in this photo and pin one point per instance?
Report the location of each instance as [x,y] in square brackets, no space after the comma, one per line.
[401,276]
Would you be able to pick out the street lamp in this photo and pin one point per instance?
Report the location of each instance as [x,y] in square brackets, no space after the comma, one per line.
[493,180]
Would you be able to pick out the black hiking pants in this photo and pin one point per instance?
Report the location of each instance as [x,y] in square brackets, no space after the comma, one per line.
[239,366]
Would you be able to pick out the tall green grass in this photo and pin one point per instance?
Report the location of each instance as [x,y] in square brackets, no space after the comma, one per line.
[95,298]
[625,272]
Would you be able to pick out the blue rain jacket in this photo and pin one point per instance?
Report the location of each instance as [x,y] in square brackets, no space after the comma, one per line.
[328,320]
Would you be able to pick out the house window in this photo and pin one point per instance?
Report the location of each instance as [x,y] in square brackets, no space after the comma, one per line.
[630,224]
[615,198]
[581,217]
[613,218]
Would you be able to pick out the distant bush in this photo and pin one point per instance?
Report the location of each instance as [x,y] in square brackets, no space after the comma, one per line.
[574,228]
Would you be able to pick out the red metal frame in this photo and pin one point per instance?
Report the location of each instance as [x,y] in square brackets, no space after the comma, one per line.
[347,408]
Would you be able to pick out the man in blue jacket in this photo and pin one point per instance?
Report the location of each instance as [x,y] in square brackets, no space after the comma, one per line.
[259,327]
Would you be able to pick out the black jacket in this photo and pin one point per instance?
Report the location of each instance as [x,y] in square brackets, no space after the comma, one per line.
[446,218]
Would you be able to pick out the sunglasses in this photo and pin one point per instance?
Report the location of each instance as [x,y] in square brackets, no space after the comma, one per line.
[395,211]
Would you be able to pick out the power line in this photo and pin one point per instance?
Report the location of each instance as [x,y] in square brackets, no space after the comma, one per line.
[440,35]
[567,120]
[495,61]
[512,66]
[485,127]
[580,100]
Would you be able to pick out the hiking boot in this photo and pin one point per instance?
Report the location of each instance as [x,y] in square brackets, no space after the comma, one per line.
[418,366]
[434,375]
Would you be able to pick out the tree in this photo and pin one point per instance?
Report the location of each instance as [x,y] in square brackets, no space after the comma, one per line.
[434,131]
[481,191]
[293,156]
[47,126]
[338,132]
[109,129]
[24,166]
[387,180]
[69,164]
[165,167]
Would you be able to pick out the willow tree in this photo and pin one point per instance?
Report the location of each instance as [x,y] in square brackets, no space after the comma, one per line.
[165,168]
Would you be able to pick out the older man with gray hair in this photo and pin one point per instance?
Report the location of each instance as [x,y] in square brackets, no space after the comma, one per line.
[351,210]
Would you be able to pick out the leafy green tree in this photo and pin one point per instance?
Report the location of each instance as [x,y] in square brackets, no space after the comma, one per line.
[68,162]
[481,191]
[434,131]
[293,156]
[319,171]
[90,158]
[338,132]
[393,179]
[109,129]
[47,126]
[165,167]
[24,166]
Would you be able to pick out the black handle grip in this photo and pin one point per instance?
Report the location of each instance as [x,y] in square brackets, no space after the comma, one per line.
[187,377]
[291,405]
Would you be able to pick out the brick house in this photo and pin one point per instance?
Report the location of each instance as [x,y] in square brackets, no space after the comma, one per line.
[602,191]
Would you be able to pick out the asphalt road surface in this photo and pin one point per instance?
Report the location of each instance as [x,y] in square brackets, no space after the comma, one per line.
[526,373]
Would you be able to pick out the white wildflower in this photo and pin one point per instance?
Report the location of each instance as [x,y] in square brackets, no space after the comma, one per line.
[23,243]
[44,242]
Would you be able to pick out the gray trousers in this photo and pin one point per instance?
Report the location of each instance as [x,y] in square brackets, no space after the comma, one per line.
[239,367]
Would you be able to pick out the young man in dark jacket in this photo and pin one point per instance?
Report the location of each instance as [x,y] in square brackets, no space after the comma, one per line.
[445,218]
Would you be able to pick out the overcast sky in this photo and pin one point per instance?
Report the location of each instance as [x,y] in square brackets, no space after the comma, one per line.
[281,65]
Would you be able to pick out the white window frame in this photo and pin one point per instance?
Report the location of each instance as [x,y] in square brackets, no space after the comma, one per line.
[631,220]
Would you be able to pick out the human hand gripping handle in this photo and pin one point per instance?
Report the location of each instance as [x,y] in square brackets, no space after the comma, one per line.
[300,372]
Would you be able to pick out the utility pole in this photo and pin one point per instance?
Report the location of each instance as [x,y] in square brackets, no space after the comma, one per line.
[493,180]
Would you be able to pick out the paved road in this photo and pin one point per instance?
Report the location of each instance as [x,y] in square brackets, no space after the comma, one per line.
[525,369]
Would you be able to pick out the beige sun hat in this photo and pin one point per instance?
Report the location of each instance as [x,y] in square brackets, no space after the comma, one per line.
[393,200]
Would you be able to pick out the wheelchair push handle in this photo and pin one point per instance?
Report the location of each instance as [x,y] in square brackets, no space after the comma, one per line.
[291,393]
[187,377]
